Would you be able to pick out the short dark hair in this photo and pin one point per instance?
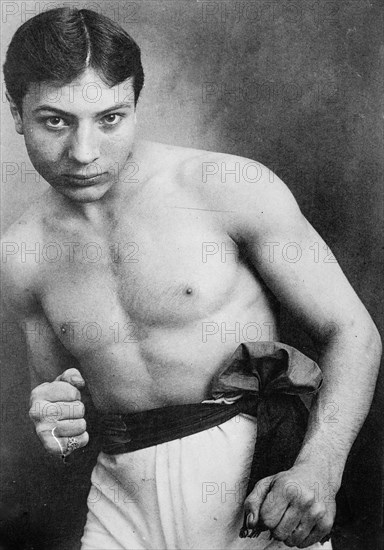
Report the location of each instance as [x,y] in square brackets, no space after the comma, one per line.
[58,45]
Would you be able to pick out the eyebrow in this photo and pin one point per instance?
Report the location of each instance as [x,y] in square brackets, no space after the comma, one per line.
[65,113]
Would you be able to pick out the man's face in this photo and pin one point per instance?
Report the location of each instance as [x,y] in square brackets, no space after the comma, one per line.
[79,136]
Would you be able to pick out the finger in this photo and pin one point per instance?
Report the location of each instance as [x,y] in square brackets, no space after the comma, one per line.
[255,500]
[50,413]
[275,505]
[69,410]
[58,446]
[298,536]
[71,428]
[81,441]
[72,376]
[320,530]
[283,495]
[288,523]
[308,522]
[55,391]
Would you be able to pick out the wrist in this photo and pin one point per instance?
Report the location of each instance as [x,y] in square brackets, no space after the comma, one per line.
[324,464]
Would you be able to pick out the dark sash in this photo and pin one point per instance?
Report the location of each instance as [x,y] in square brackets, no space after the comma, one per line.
[270,376]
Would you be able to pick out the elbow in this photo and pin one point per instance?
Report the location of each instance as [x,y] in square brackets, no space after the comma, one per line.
[367,335]
[375,342]
[360,332]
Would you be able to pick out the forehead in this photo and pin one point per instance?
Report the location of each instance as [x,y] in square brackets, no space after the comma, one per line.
[86,95]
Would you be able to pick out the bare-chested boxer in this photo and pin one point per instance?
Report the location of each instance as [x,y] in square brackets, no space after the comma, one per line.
[149,258]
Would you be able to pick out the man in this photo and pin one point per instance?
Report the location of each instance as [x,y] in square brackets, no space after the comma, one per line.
[133,301]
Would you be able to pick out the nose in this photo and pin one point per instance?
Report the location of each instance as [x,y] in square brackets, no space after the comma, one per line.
[84,147]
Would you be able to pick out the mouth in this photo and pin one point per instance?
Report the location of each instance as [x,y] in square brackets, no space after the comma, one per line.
[79,180]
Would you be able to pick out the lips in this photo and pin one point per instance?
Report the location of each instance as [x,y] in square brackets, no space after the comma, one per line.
[82,177]
[82,180]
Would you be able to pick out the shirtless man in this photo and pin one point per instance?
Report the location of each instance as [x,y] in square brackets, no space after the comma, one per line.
[132,292]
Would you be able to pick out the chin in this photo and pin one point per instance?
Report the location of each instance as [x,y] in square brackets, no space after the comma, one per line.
[86,194]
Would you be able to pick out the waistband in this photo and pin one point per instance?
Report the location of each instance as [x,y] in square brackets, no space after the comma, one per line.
[131,432]
[270,376]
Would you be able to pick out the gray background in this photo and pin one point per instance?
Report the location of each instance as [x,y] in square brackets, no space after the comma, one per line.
[297,86]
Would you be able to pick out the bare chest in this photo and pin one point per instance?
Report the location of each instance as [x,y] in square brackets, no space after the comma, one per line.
[160,271]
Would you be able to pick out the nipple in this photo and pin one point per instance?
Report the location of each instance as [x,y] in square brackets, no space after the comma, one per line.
[189,290]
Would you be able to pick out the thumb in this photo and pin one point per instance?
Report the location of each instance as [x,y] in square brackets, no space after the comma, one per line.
[73,377]
[255,500]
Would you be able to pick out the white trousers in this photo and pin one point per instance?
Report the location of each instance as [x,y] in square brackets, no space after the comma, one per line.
[185,494]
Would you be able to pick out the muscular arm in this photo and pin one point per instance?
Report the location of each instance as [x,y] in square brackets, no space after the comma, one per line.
[265,219]
[47,357]
[55,399]
[321,298]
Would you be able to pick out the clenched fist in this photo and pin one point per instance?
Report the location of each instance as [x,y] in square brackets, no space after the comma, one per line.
[297,506]
[58,413]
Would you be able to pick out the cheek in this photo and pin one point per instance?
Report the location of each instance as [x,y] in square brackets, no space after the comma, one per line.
[119,144]
[41,147]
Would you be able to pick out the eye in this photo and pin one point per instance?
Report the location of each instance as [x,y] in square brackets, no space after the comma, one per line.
[112,119]
[55,122]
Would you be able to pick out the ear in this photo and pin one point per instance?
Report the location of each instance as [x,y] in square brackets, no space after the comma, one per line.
[16,115]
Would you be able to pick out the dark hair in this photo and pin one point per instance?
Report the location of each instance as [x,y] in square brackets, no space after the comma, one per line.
[59,44]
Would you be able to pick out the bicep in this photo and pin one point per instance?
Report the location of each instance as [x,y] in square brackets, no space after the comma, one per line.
[292,258]
[301,271]
[47,357]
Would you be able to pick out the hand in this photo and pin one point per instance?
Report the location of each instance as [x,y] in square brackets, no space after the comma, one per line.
[58,413]
[291,506]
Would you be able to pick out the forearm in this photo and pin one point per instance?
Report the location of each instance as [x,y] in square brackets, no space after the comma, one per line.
[350,362]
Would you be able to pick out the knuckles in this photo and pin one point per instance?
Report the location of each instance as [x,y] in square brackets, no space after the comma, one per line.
[36,394]
[33,414]
[305,501]
[319,512]
[41,410]
[67,391]
[81,406]
[82,424]
[326,525]
[291,490]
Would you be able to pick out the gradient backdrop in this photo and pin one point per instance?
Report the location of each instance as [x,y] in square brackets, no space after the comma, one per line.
[297,86]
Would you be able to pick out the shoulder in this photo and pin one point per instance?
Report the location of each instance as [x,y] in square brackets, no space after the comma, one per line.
[20,267]
[245,196]
[249,194]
